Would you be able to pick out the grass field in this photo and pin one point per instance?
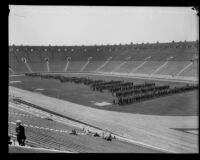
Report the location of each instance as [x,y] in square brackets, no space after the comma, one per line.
[184,104]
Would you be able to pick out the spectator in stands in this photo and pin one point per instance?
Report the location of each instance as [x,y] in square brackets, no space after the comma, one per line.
[74,132]
[20,133]
[96,134]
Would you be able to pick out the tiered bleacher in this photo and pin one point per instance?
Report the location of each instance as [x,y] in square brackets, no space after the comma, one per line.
[44,133]
[73,58]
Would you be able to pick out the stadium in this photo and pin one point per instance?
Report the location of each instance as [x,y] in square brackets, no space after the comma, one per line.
[125,98]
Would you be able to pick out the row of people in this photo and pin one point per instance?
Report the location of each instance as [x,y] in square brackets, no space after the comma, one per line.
[151,95]
[98,85]
[121,87]
[122,90]
[62,79]
[139,91]
[95,84]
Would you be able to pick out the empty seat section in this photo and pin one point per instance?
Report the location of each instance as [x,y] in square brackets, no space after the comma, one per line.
[15,114]
[110,66]
[140,55]
[127,67]
[159,54]
[41,66]
[57,67]
[56,60]
[173,67]
[12,61]
[16,63]
[33,56]
[21,56]
[33,60]
[18,67]
[192,71]
[134,65]
[58,55]
[9,72]
[149,67]
[38,67]
[93,66]
[75,66]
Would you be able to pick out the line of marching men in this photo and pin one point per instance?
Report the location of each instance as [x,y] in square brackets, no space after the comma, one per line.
[124,93]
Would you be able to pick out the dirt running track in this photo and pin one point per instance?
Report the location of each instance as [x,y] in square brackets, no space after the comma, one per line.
[155,131]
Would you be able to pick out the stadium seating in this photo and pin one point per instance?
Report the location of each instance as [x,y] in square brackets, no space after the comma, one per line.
[149,67]
[55,58]
[75,66]
[146,59]
[191,71]
[54,138]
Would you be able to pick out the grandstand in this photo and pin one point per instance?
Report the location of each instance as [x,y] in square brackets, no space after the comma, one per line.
[171,59]
[50,134]
[170,63]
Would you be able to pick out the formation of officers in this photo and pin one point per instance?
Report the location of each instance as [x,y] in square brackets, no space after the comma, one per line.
[123,92]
